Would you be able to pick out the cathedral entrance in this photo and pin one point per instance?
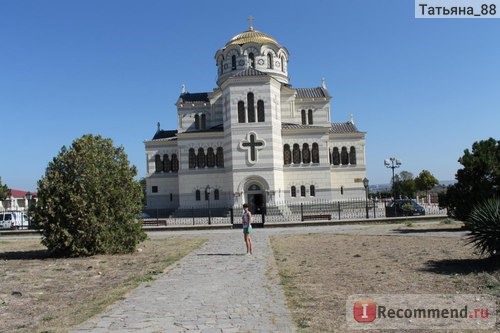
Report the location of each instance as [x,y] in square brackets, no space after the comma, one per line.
[256,199]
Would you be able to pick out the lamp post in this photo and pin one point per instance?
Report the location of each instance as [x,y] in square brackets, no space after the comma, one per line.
[392,163]
[365,184]
[208,189]
[29,196]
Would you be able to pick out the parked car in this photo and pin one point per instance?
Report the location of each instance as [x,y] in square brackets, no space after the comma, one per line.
[403,207]
[13,220]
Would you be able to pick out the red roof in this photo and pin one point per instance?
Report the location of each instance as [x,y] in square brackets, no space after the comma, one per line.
[20,193]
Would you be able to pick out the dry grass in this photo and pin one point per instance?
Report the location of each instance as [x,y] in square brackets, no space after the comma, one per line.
[320,271]
[43,294]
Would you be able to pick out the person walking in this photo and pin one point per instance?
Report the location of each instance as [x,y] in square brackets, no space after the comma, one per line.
[246,220]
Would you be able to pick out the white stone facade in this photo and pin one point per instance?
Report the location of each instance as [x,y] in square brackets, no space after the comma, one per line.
[254,139]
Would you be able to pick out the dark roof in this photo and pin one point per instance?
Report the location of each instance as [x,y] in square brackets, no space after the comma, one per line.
[217,128]
[312,93]
[161,134]
[195,97]
[297,126]
[250,71]
[347,127]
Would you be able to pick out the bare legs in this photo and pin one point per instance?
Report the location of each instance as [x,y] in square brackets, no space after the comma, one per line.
[248,243]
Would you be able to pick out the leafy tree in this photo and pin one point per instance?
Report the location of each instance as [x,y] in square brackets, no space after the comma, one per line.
[405,185]
[477,181]
[425,181]
[4,191]
[88,200]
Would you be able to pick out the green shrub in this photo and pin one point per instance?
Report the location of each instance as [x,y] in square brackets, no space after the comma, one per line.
[88,201]
[484,226]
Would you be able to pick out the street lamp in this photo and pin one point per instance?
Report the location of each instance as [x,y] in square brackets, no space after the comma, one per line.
[29,196]
[208,189]
[392,163]
[365,184]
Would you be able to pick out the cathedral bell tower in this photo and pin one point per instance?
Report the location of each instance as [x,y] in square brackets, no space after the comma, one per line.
[252,69]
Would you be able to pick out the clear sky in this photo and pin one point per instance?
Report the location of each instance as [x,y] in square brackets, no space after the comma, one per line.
[422,89]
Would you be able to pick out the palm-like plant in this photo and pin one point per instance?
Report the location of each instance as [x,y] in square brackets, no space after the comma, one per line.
[484,226]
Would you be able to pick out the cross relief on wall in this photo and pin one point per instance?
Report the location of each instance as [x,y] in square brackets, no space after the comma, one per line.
[252,144]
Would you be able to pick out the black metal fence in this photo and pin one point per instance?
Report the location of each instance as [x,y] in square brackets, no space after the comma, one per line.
[295,212]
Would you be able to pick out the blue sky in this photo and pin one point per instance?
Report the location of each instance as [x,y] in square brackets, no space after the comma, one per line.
[423,89]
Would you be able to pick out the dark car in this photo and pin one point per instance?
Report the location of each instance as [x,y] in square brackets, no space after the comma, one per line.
[403,207]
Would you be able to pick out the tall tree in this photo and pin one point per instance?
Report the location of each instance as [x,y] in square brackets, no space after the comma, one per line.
[405,184]
[4,191]
[477,181]
[88,200]
[425,181]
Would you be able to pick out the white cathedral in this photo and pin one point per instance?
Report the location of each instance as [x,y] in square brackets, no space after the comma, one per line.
[254,139]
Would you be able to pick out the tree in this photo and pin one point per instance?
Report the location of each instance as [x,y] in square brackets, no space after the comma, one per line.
[405,185]
[425,181]
[477,181]
[4,191]
[88,200]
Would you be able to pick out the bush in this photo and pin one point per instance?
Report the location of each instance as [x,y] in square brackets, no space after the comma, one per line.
[484,226]
[88,201]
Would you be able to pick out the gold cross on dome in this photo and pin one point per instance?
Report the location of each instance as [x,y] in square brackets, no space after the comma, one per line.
[250,19]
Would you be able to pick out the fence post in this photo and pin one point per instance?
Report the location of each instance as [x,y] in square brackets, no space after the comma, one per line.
[192,213]
[338,202]
[232,217]
[301,212]
[374,210]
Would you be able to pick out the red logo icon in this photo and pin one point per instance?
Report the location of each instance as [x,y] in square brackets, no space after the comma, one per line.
[365,311]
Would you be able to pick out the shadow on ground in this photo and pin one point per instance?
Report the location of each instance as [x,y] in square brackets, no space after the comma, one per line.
[25,255]
[419,231]
[463,266]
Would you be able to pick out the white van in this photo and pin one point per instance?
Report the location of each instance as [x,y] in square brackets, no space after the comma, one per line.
[13,220]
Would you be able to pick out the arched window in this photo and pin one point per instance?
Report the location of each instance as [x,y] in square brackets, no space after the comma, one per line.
[335,156]
[233,62]
[166,163]
[192,159]
[310,117]
[282,64]
[293,192]
[252,59]
[175,163]
[210,157]
[197,122]
[287,154]
[201,158]
[216,194]
[241,112]
[344,156]
[260,111]
[352,155]
[158,163]
[312,191]
[342,190]
[306,154]
[221,66]
[269,60]
[303,114]
[302,191]
[207,195]
[315,153]
[296,154]
[198,195]
[220,157]
[203,121]
[251,108]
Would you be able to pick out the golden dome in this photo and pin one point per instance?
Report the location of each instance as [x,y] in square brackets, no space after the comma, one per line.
[252,36]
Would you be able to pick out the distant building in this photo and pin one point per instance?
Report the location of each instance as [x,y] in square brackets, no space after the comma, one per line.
[16,201]
[254,138]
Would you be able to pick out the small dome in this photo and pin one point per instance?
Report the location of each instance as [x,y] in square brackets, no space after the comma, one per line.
[252,36]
